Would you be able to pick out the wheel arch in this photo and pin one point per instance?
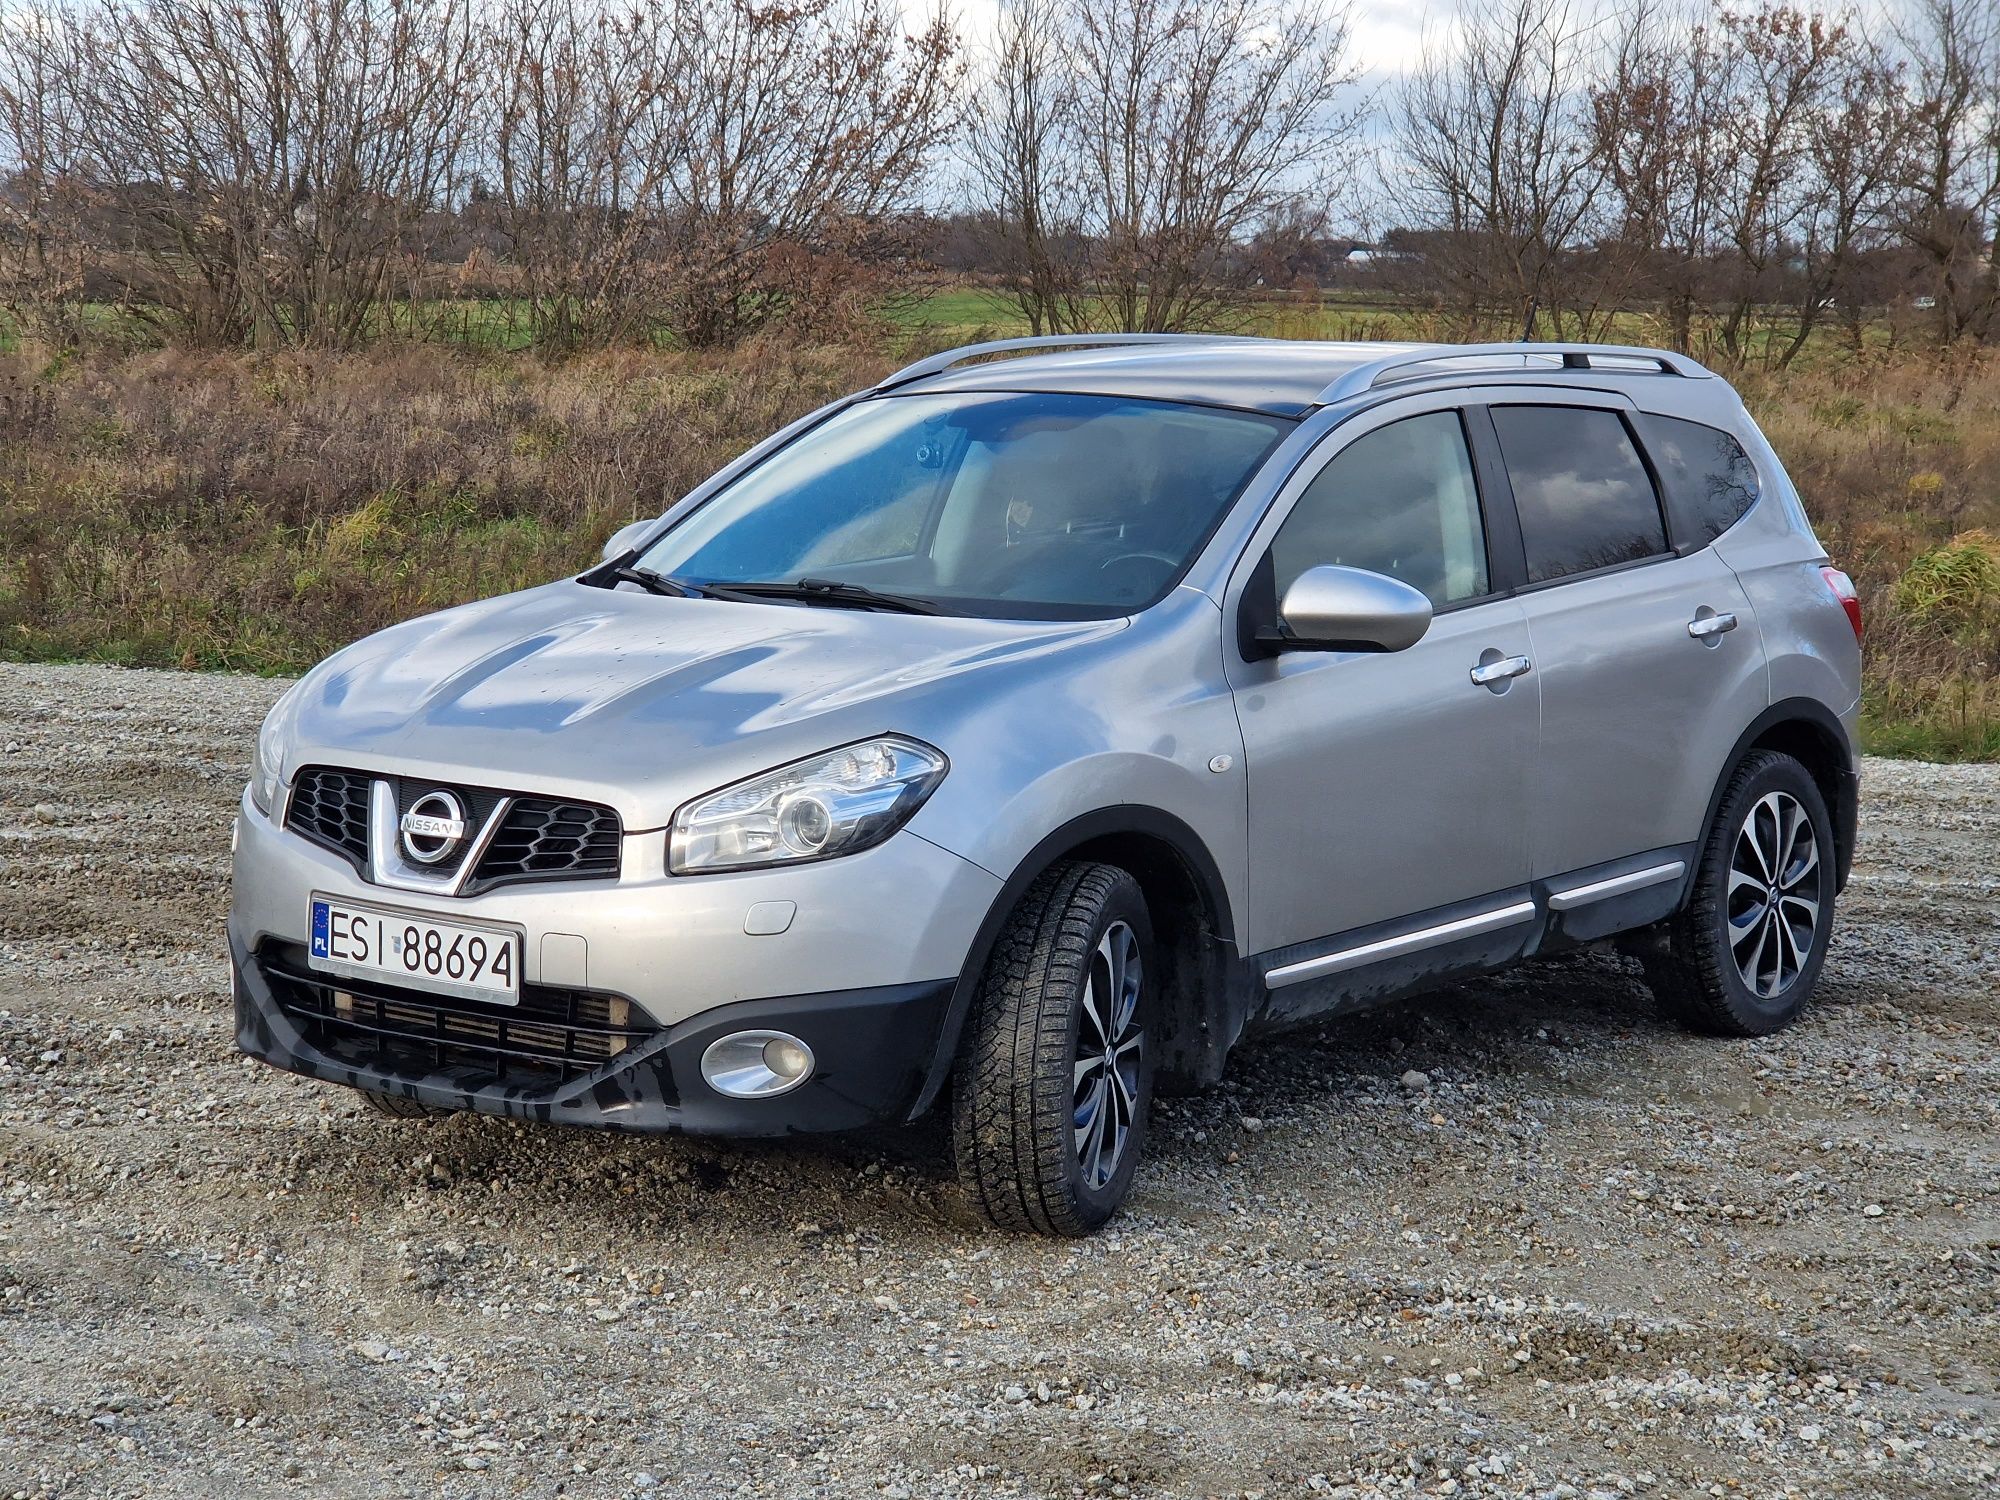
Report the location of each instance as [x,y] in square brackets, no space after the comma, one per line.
[1210,991]
[1812,734]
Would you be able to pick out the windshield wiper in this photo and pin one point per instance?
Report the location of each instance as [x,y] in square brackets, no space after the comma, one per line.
[830,591]
[653,582]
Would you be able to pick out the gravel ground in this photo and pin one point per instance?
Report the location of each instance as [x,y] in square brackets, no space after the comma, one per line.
[1520,1239]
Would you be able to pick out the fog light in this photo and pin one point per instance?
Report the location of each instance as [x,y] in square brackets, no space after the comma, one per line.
[756,1064]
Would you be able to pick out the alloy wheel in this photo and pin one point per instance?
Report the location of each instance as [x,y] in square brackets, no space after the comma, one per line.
[1774,894]
[1109,1048]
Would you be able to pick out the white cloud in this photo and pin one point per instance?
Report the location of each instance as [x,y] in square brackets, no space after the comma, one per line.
[1387,34]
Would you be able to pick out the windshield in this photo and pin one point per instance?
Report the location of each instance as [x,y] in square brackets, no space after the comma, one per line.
[1007,504]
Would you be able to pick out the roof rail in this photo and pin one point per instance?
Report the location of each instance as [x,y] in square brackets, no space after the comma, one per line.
[937,363]
[1538,359]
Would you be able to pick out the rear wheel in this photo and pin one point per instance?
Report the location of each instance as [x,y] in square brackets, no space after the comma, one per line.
[1055,1078]
[1745,954]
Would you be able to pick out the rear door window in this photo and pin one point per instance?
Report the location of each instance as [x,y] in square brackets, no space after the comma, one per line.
[1583,493]
[1709,479]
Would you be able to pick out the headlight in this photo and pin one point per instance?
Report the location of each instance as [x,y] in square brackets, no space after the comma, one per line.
[837,803]
[269,770]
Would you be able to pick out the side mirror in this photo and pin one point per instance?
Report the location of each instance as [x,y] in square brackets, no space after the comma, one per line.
[625,538]
[1350,609]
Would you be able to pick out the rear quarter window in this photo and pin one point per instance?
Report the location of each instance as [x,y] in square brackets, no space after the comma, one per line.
[1709,479]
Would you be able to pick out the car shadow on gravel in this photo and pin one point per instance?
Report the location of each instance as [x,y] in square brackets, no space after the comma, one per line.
[1567,1029]
[1492,1035]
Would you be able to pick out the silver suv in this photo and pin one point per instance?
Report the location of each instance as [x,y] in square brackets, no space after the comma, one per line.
[1028,730]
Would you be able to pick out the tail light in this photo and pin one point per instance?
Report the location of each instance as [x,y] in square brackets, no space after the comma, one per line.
[1842,588]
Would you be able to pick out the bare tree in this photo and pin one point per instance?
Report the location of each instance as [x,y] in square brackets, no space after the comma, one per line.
[1951,188]
[573,145]
[1658,121]
[1753,155]
[792,133]
[42,249]
[1785,68]
[1499,160]
[1126,149]
[1857,145]
[267,163]
[285,171]
[1033,212]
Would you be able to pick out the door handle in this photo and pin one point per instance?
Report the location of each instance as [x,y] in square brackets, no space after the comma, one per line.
[1489,672]
[1708,626]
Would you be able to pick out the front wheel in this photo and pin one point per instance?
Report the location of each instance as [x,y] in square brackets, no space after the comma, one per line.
[1055,1077]
[398,1106]
[1744,956]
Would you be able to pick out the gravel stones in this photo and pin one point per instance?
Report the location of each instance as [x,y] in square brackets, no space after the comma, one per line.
[1587,1255]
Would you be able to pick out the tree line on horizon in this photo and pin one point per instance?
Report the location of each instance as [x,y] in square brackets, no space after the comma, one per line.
[270,173]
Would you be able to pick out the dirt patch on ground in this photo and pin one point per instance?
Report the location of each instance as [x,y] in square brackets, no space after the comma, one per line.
[1593,1256]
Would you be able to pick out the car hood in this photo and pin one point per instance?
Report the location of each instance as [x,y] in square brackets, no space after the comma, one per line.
[640,701]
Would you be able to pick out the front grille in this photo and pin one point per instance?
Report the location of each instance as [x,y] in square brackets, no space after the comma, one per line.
[330,807]
[551,1037]
[544,840]
[477,802]
[539,838]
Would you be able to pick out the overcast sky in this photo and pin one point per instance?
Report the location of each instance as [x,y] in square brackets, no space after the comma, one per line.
[1385,33]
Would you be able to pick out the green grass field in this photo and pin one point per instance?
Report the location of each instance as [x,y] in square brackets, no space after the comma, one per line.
[964,314]
[968,313]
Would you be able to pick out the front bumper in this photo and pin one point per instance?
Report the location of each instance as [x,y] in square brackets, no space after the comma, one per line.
[861,966]
[676,945]
[873,1050]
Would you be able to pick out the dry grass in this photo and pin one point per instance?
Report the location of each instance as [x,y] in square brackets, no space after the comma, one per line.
[229,510]
[226,510]
[1899,464]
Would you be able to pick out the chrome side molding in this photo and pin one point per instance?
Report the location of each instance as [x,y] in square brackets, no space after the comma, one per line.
[1472,926]
[1617,885]
[1395,947]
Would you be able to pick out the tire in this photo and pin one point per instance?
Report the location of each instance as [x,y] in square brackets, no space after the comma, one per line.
[1737,962]
[1036,1105]
[397,1107]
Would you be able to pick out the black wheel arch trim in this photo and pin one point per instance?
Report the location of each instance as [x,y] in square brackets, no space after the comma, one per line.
[1843,805]
[1229,986]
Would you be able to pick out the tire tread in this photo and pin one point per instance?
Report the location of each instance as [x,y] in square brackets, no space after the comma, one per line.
[1689,980]
[1010,1109]
[396,1106]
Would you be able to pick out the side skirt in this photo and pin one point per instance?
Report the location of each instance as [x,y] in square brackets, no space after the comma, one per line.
[1389,960]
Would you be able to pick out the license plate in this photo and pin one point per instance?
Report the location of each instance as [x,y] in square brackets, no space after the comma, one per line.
[415,949]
